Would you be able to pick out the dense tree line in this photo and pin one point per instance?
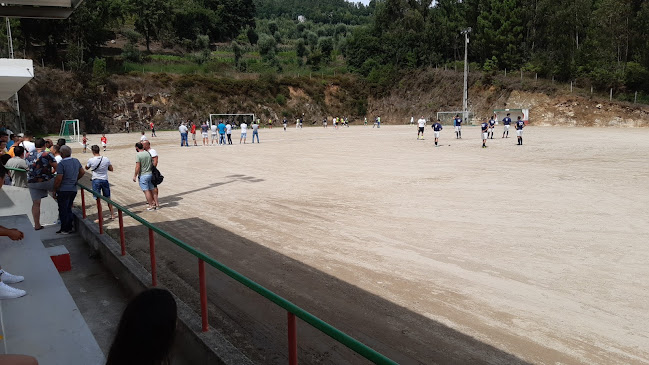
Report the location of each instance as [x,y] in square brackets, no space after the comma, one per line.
[602,41]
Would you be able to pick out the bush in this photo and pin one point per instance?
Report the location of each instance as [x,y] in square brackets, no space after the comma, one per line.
[278,37]
[280,99]
[326,46]
[272,27]
[300,48]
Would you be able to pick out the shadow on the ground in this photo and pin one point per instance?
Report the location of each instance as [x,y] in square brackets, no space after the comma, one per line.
[258,327]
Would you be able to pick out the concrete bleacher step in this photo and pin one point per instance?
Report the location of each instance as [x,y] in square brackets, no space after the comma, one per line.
[45,323]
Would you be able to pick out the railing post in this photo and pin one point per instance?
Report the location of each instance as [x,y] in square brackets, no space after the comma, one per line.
[122,240]
[154,278]
[83,203]
[292,339]
[100,217]
[203,290]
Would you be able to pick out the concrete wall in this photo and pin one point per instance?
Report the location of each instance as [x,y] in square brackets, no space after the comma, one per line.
[196,347]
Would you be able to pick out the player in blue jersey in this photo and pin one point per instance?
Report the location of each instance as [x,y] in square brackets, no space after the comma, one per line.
[492,126]
[506,122]
[437,128]
[485,132]
[458,126]
[519,130]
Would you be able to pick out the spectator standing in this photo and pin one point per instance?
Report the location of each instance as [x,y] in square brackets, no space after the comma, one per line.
[128,125]
[255,132]
[27,142]
[144,174]
[152,126]
[204,130]
[143,137]
[99,166]
[221,128]
[55,151]
[18,178]
[228,131]
[183,135]
[193,131]
[154,160]
[40,178]
[68,172]
[244,132]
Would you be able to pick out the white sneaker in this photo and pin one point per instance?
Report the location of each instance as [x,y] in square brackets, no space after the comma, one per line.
[7,292]
[8,278]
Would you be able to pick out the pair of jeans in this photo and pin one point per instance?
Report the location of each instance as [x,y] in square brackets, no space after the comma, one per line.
[255,133]
[222,138]
[65,200]
[229,138]
[183,139]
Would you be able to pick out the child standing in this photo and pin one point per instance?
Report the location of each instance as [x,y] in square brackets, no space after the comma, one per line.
[84,141]
[104,141]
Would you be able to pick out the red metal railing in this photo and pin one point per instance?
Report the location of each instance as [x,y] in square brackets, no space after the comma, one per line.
[293,311]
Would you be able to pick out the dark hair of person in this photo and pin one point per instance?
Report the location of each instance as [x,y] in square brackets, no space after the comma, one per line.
[19,151]
[4,158]
[3,172]
[94,148]
[146,331]
[139,146]
[3,133]
[39,143]
[61,142]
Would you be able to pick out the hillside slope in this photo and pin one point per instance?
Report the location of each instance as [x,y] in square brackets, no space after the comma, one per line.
[54,95]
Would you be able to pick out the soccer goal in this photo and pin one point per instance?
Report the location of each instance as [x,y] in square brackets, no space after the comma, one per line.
[70,130]
[447,118]
[235,119]
[513,114]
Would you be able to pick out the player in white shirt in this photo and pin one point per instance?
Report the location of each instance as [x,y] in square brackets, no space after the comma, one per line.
[213,130]
[143,137]
[244,132]
[228,131]
[422,125]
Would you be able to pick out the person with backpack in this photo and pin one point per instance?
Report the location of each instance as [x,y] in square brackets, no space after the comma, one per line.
[144,175]
[99,166]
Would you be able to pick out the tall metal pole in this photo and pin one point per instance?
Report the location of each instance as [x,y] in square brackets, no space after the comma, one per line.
[465,95]
[11,55]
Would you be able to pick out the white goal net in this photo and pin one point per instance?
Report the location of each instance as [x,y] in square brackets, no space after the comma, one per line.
[70,130]
[447,118]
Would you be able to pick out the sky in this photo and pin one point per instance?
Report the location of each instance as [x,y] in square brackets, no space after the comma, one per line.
[362,1]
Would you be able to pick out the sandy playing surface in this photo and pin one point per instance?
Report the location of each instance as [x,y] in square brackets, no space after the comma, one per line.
[453,254]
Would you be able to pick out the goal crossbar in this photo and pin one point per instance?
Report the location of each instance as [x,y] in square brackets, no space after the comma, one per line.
[236,118]
[70,130]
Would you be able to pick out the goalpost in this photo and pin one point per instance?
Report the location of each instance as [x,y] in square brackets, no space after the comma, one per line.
[235,119]
[514,114]
[446,118]
[70,130]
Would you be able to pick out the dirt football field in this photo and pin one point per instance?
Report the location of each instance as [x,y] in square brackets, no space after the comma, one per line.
[456,254]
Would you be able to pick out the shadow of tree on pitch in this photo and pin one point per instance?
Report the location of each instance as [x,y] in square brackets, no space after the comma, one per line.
[258,327]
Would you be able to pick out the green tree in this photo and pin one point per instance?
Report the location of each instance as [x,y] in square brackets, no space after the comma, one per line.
[267,47]
[150,16]
[238,52]
[272,27]
[252,35]
[300,48]
[326,46]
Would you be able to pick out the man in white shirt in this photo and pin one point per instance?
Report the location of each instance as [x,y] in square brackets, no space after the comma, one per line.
[143,137]
[422,125]
[154,158]
[228,132]
[183,135]
[100,165]
[244,132]
[27,142]
[213,130]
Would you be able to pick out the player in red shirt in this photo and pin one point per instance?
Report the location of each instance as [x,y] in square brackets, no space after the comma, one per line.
[104,141]
[193,132]
[84,140]
[152,126]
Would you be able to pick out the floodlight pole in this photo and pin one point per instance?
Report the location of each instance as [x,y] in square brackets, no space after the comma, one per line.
[465,95]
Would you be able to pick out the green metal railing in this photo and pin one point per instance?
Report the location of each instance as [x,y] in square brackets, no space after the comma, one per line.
[292,309]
